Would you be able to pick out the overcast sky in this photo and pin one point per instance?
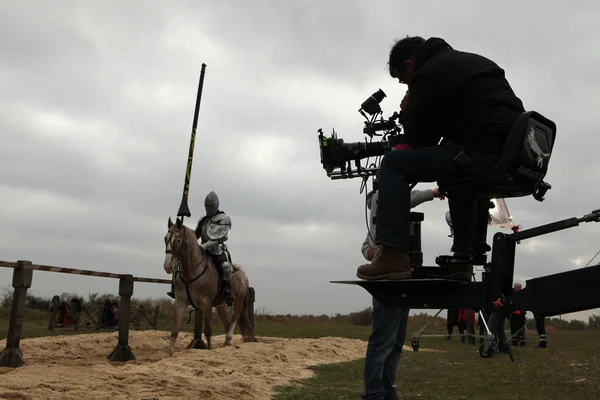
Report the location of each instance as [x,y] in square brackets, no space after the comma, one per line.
[96,112]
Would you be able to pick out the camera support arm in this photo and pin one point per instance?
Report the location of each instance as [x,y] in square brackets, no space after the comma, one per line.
[554,294]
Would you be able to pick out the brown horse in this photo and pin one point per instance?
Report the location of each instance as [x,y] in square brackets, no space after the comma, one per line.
[197,283]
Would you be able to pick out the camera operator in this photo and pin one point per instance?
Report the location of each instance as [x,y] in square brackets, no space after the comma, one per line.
[387,337]
[463,98]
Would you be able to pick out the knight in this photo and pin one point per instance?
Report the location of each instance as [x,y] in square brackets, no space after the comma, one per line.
[212,230]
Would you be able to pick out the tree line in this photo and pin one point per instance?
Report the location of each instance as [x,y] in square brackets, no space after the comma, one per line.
[361,318]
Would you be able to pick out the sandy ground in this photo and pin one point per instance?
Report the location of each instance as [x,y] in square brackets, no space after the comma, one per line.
[76,367]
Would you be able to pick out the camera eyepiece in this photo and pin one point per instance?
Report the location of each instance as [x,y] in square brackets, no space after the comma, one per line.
[371,105]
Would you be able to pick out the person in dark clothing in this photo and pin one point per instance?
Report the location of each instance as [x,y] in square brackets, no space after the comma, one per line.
[540,326]
[108,319]
[517,323]
[452,321]
[462,98]
[497,317]
[470,331]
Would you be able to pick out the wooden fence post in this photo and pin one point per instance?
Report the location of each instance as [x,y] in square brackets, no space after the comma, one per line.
[12,356]
[197,342]
[122,351]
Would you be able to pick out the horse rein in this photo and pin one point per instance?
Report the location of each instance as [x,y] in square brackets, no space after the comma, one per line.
[177,272]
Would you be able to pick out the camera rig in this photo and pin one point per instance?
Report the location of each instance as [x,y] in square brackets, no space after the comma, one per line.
[528,148]
[335,154]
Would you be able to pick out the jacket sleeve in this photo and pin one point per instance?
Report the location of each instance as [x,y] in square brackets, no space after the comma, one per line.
[420,196]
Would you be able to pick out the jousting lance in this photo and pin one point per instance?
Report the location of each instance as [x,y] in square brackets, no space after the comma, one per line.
[184,209]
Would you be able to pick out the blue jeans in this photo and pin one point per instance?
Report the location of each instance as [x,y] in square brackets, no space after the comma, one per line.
[383,351]
[399,169]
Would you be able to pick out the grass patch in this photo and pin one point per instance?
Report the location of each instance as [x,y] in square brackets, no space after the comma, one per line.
[568,369]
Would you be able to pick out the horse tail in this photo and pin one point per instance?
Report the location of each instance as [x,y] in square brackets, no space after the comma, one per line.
[244,322]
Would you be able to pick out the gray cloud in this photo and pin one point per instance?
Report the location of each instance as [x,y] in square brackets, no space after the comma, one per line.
[96,117]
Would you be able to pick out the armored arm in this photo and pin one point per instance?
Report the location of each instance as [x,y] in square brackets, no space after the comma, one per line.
[218,228]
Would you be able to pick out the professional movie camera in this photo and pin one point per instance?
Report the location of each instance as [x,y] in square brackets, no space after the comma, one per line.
[335,154]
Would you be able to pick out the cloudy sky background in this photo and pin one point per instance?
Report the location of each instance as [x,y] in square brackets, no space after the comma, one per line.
[97,104]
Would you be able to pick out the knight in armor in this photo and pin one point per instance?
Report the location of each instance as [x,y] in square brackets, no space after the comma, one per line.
[212,230]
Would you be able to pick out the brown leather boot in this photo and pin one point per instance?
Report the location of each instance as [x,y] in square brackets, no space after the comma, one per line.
[389,263]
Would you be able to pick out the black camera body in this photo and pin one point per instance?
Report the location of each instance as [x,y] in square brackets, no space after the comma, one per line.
[335,154]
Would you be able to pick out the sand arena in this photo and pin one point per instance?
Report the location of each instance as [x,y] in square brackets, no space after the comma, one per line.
[75,367]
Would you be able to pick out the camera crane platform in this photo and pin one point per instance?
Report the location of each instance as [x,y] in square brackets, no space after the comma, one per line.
[555,294]
[520,175]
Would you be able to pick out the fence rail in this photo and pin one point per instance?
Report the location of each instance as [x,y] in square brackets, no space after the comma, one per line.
[75,271]
[12,356]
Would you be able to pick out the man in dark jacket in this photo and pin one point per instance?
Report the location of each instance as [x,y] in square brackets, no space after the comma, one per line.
[517,323]
[454,96]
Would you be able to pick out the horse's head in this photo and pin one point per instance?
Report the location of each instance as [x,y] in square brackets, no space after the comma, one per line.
[174,244]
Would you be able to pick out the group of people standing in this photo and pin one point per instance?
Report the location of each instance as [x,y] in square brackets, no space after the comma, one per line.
[517,320]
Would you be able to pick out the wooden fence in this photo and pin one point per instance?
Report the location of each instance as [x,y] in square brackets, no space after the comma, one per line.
[12,356]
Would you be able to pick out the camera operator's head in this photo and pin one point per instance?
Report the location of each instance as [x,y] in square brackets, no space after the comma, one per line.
[402,58]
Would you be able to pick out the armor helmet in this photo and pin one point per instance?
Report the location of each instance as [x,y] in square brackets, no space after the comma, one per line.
[211,204]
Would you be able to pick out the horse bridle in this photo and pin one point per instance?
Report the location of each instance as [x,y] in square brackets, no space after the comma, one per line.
[177,269]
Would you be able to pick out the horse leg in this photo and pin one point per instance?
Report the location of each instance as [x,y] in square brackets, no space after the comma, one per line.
[178,310]
[207,312]
[224,315]
[238,307]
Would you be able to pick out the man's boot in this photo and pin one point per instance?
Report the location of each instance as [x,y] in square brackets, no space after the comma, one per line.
[389,263]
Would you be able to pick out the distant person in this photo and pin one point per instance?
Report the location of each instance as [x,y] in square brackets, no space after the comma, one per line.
[108,319]
[387,338]
[498,315]
[517,323]
[452,321]
[462,320]
[540,326]
[115,307]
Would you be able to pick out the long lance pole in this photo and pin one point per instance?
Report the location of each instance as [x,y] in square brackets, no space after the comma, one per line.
[184,209]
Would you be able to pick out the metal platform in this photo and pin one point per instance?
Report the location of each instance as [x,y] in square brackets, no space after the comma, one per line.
[424,293]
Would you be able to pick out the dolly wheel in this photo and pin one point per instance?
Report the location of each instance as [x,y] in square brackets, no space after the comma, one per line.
[415,344]
[486,353]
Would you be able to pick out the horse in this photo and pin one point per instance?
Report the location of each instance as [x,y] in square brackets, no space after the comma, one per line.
[197,283]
